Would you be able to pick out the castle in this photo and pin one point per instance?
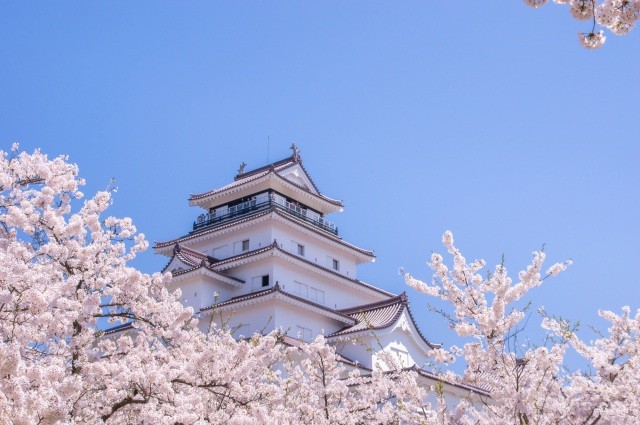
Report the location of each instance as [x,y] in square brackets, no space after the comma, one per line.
[262,255]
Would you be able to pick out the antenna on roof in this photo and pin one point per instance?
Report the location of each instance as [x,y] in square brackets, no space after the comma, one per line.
[268,141]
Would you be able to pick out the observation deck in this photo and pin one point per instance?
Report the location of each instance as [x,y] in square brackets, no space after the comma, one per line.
[260,202]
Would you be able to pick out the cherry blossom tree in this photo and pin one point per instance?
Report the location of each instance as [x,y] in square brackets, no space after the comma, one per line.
[64,278]
[531,386]
[618,16]
[321,390]
[62,272]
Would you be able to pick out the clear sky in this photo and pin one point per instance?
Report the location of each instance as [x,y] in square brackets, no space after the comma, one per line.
[485,118]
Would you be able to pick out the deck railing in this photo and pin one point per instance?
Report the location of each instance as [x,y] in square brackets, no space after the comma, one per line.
[261,202]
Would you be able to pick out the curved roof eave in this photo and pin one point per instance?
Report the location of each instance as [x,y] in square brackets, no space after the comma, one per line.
[395,308]
[162,247]
[202,198]
[277,291]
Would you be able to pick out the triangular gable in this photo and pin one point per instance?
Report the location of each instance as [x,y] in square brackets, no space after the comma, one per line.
[407,326]
[297,175]
[176,265]
[403,330]
[385,318]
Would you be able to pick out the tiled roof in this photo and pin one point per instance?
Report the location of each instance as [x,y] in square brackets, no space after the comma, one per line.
[436,377]
[243,178]
[379,315]
[275,289]
[276,166]
[330,235]
[118,328]
[244,219]
[241,298]
[228,186]
[274,246]
[190,256]
[196,260]
[244,255]
[206,230]
[295,342]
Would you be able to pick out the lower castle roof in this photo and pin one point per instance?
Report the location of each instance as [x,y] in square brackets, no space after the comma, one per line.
[379,315]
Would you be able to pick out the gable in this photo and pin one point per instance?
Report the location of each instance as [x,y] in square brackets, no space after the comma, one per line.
[298,176]
[403,343]
[176,265]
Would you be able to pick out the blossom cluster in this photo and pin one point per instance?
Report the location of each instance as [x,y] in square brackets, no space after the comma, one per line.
[530,385]
[619,16]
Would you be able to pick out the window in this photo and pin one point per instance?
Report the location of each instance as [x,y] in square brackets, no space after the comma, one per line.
[316,295]
[241,246]
[301,289]
[335,264]
[308,292]
[301,250]
[304,334]
[260,282]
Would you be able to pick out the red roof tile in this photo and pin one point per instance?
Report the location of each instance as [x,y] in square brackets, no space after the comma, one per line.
[379,315]
[258,214]
[243,178]
[196,260]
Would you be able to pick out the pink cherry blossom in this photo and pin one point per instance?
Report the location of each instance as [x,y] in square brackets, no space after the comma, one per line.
[618,16]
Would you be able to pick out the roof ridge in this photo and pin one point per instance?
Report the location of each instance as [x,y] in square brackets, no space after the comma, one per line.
[204,230]
[251,216]
[402,301]
[398,299]
[261,174]
[276,289]
[274,246]
[279,163]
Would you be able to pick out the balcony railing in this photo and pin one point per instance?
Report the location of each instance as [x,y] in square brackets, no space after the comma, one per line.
[262,202]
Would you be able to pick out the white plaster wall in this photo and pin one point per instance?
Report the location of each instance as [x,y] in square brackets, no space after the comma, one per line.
[316,250]
[337,294]
[288,317]
[259,236]
[199,291]
[365,348]
[399,341]
[267,315]
[205,287]
[247,272]
[357,349]
[255,318]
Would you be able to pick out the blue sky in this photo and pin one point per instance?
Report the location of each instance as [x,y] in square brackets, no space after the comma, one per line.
[485,118]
